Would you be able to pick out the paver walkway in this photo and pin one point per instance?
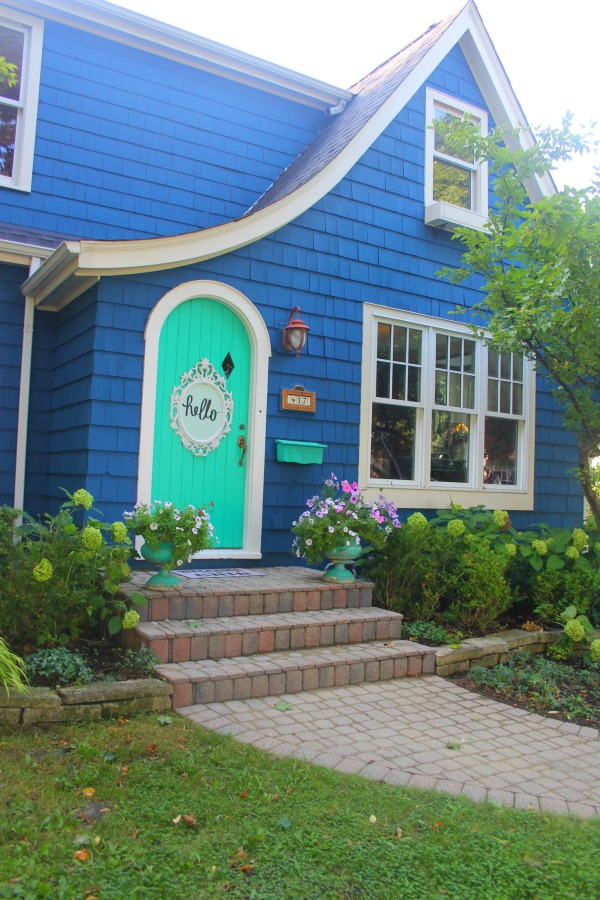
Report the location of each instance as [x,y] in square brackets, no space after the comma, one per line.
[400,732]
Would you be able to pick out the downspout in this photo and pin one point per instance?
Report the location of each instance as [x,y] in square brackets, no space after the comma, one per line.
[23,415]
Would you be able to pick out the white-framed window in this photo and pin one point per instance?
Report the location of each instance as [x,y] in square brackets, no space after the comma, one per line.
[21,39]
[442,415]
[456,187]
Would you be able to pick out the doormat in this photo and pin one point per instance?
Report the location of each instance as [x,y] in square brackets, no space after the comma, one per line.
[218,573]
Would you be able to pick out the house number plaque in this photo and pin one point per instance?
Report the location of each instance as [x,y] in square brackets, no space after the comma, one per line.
[298,399]
[201,408]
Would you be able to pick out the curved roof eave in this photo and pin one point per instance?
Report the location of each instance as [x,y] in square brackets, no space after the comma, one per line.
[88,260]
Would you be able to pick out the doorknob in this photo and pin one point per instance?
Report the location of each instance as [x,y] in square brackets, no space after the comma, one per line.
[241,441]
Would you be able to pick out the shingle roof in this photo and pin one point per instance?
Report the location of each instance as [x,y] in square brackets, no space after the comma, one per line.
[370,92]
[33,237]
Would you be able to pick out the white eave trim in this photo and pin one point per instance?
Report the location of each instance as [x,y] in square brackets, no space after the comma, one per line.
[156,37]
[21,254]
[98,258]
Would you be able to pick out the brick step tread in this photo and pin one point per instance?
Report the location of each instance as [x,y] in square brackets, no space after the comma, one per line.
[242,677]
[246,635]
[282,590]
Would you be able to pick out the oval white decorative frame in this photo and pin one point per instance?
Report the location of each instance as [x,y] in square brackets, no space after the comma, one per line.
[202,373]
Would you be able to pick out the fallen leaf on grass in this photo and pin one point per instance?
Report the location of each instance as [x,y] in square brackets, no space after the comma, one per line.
[151,748]
[243,794]
[284,822]
[241,854]
[88,792]
[164,720]
[532,859]
[372,819]
[190,821]
[398,833]
[81,855]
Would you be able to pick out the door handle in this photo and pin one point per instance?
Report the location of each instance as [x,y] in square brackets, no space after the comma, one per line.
[241,442]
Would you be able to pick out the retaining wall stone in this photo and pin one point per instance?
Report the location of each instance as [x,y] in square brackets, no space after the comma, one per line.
[491,649]
[41,706]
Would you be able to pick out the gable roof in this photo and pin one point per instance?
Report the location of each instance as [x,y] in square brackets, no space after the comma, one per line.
[377,101]
[370,93]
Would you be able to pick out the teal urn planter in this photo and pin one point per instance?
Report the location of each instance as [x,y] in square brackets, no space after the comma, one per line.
[162,558]
[336,572]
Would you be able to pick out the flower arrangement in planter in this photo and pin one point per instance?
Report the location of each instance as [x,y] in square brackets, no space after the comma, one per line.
[338,521]
[171,536]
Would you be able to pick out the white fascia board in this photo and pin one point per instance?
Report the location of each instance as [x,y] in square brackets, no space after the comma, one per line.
[142,32]
[100,258]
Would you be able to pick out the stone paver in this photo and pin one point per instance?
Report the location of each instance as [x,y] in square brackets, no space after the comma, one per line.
[399,732]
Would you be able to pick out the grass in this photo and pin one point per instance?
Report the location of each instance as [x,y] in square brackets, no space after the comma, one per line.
[89,810]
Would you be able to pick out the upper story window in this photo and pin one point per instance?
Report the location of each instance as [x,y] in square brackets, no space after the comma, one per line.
[20,59]
[456,188]
[443,414]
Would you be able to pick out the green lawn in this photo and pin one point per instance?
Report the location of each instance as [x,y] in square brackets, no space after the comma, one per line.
[259,827]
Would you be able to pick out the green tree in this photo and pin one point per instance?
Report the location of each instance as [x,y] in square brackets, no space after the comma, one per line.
[540,263]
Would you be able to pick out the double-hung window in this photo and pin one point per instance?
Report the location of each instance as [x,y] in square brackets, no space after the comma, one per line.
[20,59]
[443,414]
[456,190]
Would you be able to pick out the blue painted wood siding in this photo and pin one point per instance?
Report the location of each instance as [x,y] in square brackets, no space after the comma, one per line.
[132,145]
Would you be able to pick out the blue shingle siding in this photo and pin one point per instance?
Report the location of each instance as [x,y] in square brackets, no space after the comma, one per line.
[129,144]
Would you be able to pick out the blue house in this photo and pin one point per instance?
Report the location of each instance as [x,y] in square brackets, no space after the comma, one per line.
[169,206]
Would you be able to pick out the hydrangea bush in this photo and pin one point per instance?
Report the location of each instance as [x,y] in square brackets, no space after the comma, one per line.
[340,517]
[189,529]
[60,576]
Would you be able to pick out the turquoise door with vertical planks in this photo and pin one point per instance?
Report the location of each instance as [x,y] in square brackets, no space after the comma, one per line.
[204,329]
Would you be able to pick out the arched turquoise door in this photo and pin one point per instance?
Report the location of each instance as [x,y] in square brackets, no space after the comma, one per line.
[204,329]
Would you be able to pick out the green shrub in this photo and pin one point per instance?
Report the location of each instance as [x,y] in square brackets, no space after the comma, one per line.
[478,588]
[59,579]
[57,665]
[412,569]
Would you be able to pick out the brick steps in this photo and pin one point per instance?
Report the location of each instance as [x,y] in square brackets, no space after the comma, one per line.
[291,671]
[269,632]
[227,637]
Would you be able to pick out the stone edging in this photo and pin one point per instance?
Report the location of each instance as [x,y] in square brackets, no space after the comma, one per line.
[491,649]
[101,700]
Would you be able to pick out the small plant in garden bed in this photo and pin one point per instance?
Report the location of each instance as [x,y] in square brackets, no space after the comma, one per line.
[99,661]
[542,685]
[429,633]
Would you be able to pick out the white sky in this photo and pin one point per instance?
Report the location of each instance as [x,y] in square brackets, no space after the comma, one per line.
[549,48]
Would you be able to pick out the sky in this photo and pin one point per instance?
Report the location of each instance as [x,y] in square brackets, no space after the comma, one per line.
[549,48]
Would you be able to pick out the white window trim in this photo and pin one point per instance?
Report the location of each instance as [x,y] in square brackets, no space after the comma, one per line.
[420,494]
[439,213]
[27,108]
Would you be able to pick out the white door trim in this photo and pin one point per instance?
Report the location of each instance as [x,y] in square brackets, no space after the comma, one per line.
[260,351]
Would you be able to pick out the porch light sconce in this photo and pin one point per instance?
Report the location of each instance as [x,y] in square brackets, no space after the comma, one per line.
[295,332]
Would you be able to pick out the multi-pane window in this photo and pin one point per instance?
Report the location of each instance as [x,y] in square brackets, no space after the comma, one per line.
[444,409]
[20,55]
[456,191]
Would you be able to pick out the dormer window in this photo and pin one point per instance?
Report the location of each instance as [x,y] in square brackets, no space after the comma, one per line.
[20,60]
[456,191]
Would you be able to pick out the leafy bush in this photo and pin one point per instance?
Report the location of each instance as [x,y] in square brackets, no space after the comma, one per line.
[551,591]
[478,588]
[57,665]
[59,579]
[412,570]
